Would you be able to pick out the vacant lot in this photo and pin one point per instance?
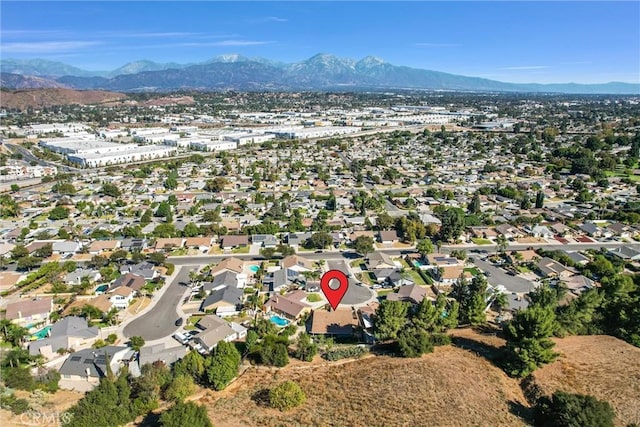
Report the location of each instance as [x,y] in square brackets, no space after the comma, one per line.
[449,387]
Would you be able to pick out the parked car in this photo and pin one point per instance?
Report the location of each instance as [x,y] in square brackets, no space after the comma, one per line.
[180,321]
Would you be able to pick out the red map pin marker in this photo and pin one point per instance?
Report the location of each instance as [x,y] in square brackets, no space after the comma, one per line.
[334,296]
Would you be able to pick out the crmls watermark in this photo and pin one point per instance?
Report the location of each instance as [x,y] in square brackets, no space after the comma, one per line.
[35,418]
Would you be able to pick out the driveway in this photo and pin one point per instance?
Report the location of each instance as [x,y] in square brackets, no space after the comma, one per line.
[159,322]
[498,276]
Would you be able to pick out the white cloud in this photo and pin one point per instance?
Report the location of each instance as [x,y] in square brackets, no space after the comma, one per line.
[269,19]
[47,47]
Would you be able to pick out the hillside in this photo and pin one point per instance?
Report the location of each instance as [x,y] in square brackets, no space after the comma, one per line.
[451,386]
[448,387]
[22,99]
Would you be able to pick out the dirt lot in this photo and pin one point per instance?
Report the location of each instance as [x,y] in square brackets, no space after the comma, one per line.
[48,410]
[450,387]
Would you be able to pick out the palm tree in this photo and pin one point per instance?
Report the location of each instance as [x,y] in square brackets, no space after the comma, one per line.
[500,301]
[502,243]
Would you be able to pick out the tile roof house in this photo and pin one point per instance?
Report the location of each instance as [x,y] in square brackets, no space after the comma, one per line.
[297,239]
[121,297]
[276,280]
[289,305]
[8,280]
[297,263]
[234,265]
[551,268]
[342,322]
[67,333]
[167,244]
[99,246]
[626,252]
[66,247]
[380,260]
[411,293]
[29,312]
[144,269]
[101,302]
[233,241]
[591,229]
[265,240]
[388,236]
[222,280]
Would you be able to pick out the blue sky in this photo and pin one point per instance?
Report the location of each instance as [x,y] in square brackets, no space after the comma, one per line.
[584,42]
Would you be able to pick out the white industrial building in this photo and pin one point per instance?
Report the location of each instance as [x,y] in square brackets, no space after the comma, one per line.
[132,153]
[79,146]
[318,132]
[213,145]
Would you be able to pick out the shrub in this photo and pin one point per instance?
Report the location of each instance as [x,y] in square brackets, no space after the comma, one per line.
[314,298]
[16,406]
[440,339]
[19,378]
[343,352]
[573,410]
[112,338]
[286,396]
[170,268]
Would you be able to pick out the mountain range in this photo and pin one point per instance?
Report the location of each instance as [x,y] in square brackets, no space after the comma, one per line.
[236,72]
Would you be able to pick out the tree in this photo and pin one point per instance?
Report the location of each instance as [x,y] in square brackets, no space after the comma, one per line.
[185,414]
[474,205]
[215,185]
[191,230]
[192,364]
[501,243]
[274,352]
[305,348]
[414,341]
[363,245]
[59,212]
[425,247]
[45,251]
[452,223]
[180,387]
[224,365]
[28,263]
[286,395]
[390,318]
[539,200]
[109,189]
[136,342]
[157,258]
[528,345]
[573,410]
[118,255]
[320,240]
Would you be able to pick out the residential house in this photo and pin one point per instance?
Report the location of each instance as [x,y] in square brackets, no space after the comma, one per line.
[626,252]
[577,257]
[380,260]
[226,301]
[542,231]
[121,297]
[75,277]
[437,260]
[8,280]
[160,353]
[101,302]
[66,248]
[144,269]
[296,265]
[411,293]
[213,330]
[397,278]
[289,305]
[202,244]
[168,244]
[129,280]
[621,230]
[97,247]
[509,231]
[578,283]
[71,332]
[83,369]
[342,322]
[297,239]
[551,268]
[222,280]
[29,312]
[276,280]
[232,241]
[134,244]
[388,236]
[590,229]
[265,240]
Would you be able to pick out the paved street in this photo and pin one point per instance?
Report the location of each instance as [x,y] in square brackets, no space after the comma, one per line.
[159,322]
[497,276]
[356,294]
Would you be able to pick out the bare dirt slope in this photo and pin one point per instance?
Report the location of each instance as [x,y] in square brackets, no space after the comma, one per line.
[37,98]
[450,387]
[602,366]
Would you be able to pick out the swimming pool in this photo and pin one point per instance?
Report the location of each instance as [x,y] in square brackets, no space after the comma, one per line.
[41,334]
[102,289]
[417,264]
[254,268]
[279,321]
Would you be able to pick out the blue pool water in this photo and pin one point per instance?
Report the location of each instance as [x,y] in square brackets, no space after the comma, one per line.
[254,268]
[41,334]
[279,321]
[417,264]
[102,288]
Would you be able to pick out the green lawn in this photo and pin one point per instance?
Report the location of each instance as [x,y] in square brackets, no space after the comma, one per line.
[191,323]
[479,241]
[473,270]
[417,279]
[383,292]
[314,298]
[241,250]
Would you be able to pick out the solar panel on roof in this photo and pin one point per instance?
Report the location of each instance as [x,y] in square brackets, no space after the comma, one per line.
[88,361]
[76,358]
